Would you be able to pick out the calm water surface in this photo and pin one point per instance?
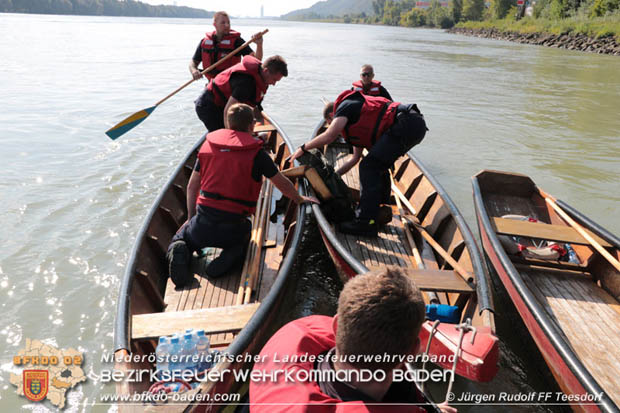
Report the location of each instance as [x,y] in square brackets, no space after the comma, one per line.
[73,200]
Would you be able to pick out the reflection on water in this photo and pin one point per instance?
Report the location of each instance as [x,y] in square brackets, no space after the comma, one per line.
[73,200]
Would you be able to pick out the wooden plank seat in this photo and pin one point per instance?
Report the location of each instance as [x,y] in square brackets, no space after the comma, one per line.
[540,230]
[264,128]
[441,281]
[212,320]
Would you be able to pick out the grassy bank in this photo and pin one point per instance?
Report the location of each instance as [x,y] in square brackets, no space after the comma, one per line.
[592,27]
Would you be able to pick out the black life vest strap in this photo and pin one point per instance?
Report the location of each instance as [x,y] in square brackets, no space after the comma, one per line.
[214,195]
[373,137]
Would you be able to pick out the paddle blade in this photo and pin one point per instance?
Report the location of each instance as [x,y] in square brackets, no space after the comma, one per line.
[129,123]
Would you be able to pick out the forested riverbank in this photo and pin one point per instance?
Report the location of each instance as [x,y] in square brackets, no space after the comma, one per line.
[99,8]
[587,25]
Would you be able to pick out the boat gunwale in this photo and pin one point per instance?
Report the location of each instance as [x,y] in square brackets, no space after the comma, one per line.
[243,339]
[542,319]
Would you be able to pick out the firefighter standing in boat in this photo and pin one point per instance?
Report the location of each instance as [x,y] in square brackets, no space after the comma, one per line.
[221,193]
[368,86]
[387,129]
[380,312]
[218,44]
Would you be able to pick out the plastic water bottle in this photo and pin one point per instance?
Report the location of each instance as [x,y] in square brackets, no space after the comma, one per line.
[202,348]
[189,350]
[162,352]
[572,255]
[442,312]
[175,353]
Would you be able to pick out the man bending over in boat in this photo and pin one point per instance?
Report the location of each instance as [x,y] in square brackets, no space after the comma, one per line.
[387,129]
[217,44]
[221,193]
[246,82]
[379,313]
[368,86]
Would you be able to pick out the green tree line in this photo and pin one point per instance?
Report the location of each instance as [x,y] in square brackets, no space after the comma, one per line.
[99,8]
[405,12]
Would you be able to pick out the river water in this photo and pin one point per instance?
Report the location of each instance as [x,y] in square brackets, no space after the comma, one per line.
[73,200]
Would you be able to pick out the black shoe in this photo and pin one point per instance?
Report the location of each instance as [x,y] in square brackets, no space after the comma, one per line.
[228,260]
[364,227]
[178,263]
[384,216]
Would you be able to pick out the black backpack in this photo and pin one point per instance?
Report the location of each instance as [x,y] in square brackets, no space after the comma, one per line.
[340,207]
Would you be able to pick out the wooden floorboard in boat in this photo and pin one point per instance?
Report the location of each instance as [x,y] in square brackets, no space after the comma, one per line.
[387,248]
[588,323]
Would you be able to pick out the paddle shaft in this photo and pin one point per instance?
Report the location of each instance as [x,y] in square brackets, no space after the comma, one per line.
[213,66]
[457,267]
[583,233]
[249,256]
[417,258]
[260,239]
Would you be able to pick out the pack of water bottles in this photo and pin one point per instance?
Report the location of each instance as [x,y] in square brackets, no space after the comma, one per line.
[183,351]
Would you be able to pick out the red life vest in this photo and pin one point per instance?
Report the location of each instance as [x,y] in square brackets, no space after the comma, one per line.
[220,86]
[376,117]
[374,90]
[226,161]
[306,337]
[211,53]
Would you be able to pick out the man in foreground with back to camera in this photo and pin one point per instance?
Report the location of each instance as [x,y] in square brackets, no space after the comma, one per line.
[387,129]
[225,185]
[380,312]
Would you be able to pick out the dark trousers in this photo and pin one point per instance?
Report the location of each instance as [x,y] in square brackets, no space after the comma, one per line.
[211,115]
[232,236]
[407,131]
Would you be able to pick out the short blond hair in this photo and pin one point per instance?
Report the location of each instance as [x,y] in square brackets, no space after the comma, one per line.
[240,117]
[220,13]
[379,312]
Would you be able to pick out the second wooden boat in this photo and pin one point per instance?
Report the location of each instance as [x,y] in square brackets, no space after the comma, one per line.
[418,196]
[571,309]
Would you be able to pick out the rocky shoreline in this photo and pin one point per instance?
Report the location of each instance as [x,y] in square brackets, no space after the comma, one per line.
[580,42]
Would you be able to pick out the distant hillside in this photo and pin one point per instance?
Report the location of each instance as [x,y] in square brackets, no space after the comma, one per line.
[99,8]
[333,8]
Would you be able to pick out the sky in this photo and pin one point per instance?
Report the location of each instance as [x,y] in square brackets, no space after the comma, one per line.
[241,8]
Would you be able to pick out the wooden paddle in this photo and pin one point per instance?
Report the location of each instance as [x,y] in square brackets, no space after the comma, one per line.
[135,119]
[583,232]
[413,220]
[249,256]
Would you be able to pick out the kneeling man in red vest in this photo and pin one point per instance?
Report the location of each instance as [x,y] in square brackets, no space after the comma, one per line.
[221,193]
[314,360]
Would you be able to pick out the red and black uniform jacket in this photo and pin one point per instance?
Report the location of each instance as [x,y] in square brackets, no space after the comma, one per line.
[374,90]
[377,115]
[226,160]
[311,336]
[220,86]
[213,51]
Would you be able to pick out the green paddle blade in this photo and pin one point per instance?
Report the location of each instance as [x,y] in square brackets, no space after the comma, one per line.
[129,123]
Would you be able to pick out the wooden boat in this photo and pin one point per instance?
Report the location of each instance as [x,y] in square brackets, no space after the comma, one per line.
[570,309]
[417,195]
[149,305]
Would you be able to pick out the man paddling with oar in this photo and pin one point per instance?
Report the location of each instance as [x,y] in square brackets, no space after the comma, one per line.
[219,43]
[221,193]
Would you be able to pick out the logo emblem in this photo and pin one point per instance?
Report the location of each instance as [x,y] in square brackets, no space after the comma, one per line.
[35,384]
